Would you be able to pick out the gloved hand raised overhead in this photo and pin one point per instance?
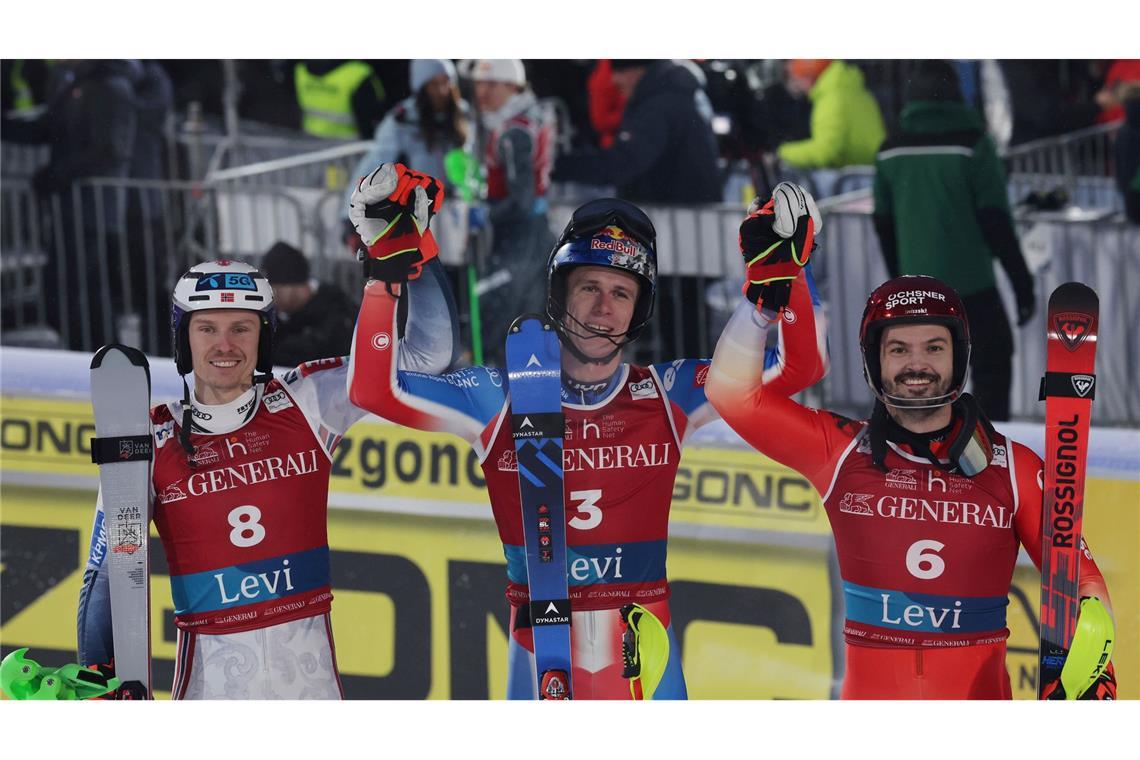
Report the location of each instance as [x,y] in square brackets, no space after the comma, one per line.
[776,240]
[391,209]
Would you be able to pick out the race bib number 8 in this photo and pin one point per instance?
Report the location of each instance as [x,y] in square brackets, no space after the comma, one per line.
[247,529]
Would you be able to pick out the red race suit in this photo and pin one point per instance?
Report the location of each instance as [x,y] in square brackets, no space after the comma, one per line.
[926,556]
[244,527]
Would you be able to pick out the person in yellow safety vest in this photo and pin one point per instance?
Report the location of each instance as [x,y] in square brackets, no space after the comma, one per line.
[25,85]
[339,99]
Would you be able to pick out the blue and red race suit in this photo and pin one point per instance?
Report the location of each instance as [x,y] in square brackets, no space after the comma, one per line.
[622,445]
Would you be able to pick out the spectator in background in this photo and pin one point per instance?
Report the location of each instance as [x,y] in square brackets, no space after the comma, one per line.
[665,150]
[419,131]
[606,103]
[785,111]
[340,100]
[90,123]
[23,85]
[516,163]
[154,101]
[1109,97]
[1128,151]
[941,209]
[846,124]
[315,320]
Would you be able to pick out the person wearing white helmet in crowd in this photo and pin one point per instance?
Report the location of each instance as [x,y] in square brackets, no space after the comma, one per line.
[241,473]
[517,157]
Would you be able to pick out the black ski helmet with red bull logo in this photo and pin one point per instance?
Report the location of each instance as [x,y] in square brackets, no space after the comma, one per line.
[606,232]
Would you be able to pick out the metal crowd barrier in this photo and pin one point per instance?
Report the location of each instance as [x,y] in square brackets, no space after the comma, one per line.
[1080,162]
[97,262]
[253,162]
[98,230]
[1096,249]
[701,243]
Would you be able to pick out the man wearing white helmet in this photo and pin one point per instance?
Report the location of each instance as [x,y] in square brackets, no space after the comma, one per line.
[518,154]
[241,471]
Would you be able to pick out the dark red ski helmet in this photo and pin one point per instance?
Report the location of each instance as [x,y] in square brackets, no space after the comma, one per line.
[914,299]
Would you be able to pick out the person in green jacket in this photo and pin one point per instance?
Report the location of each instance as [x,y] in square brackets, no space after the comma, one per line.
[941,209]
[846,123]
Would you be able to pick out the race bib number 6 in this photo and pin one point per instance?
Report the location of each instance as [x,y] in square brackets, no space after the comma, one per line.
[923,561]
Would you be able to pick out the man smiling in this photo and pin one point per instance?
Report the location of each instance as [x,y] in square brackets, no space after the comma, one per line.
[928,503]
[625,425]
[223,345]
[240,486]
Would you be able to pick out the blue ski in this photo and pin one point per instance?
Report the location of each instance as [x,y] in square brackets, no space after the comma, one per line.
[534,366]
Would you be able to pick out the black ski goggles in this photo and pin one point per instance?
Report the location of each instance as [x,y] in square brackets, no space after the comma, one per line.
[593,217]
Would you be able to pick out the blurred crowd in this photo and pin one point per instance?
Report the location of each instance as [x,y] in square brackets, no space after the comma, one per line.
[798,113]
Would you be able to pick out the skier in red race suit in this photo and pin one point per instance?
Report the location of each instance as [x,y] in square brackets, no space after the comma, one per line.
[240,485]
[927,502]
[625,426]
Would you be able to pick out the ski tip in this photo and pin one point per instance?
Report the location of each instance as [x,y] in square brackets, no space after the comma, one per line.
[133,355]
[516,326]
[1074,295]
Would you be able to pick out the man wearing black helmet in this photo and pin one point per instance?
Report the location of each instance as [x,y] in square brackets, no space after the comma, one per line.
[927,501]
[240,482]
[625,425]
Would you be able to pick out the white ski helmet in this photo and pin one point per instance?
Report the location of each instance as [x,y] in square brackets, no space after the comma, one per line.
[222,284]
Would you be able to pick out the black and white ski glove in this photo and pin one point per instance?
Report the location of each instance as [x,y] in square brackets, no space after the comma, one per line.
[776,240]
[391,209]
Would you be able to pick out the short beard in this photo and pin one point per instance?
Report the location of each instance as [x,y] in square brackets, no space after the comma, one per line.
[904,415]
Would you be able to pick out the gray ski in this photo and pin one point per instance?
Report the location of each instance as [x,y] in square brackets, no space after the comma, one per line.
[123,449]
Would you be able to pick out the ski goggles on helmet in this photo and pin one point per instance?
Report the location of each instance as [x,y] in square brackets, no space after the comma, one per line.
[593,217]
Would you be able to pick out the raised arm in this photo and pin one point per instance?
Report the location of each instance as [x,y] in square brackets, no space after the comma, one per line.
[463,402]
[798,360]
[748,389]
[809,441]
[391,210]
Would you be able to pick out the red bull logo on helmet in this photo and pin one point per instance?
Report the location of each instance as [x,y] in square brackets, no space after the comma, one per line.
[626,252]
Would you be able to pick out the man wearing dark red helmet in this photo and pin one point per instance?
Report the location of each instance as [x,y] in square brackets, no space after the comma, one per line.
[625,425]
[927,501]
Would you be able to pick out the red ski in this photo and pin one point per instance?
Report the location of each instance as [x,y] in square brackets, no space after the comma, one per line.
[1067,389]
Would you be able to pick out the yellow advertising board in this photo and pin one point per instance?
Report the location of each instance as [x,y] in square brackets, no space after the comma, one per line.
[419,574]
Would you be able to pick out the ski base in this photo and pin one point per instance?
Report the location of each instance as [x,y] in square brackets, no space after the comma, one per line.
[535,373]
[1068,389]
[123,449]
